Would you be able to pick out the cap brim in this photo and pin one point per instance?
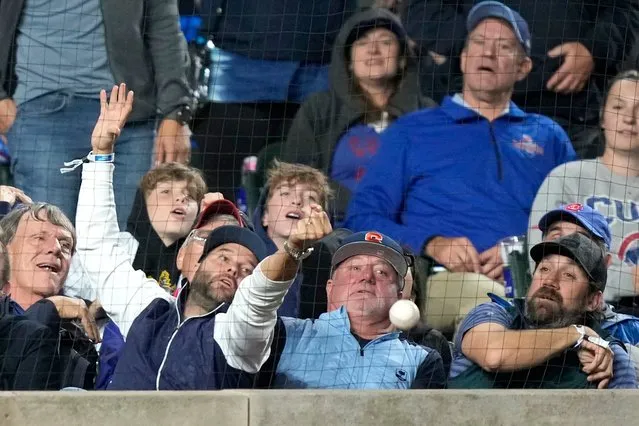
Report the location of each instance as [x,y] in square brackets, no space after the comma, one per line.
[548,248]
[395,259]
[216,208]
[556,216]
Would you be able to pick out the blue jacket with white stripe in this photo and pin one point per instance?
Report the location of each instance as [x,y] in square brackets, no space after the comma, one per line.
[164,352]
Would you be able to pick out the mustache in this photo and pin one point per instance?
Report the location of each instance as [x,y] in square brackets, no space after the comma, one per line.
[548,293]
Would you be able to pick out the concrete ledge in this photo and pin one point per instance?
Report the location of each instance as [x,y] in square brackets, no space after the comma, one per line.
[450,407]
[122,408]
[322,408]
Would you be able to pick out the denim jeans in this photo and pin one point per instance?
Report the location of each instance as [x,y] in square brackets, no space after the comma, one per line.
[57,127]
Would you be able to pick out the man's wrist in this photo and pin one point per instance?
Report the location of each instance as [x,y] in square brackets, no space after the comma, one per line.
[295,252]
[101,156]
[182,115]
[581,334]
[101,151]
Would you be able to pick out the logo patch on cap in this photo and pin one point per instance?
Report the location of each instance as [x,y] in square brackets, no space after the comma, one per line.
[574,207]
[374,237]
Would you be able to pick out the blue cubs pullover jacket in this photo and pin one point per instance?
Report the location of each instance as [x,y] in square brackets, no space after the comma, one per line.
[450,172]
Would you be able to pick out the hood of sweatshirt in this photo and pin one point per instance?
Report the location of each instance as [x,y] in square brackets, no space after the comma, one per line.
[261,230]
[153,257]
[407,97]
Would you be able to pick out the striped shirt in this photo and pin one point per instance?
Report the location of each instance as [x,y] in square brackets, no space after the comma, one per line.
[624,376]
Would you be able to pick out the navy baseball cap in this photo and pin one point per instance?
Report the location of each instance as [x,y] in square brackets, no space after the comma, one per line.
[583,250]
[235,234]
[495,9]
[373,244]
[583,215]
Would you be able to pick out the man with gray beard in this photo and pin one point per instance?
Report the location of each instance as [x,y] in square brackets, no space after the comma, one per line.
[551,339]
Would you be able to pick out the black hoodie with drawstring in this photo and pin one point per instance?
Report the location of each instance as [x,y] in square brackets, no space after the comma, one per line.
[157,260]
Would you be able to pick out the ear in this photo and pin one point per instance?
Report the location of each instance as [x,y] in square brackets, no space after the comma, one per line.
[329,290]
[179,262]
[329,294]
[265,217]
[524,68]
[462,59]
[595,301]
[609,260]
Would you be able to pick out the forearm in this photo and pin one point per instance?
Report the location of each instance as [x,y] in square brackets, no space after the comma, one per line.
[96,217]
[123,291]
[512,350]
[245,331]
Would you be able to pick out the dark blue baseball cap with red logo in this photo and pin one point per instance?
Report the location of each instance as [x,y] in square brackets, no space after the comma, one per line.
[581,214]
[372,243]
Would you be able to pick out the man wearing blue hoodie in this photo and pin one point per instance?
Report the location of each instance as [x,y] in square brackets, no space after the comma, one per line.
[450,182]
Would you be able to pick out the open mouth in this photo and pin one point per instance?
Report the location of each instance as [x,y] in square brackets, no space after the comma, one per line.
[485,68]
[227,282]
[294,215]
[49,267]
[179,211]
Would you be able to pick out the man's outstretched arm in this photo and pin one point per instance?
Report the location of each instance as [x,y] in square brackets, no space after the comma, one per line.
[245,331]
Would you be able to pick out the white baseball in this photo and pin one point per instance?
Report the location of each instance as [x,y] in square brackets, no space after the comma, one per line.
[404,314]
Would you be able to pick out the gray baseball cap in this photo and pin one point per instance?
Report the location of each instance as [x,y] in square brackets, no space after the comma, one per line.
[583,250]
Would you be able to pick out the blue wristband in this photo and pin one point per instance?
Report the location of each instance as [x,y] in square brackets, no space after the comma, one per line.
[102,158]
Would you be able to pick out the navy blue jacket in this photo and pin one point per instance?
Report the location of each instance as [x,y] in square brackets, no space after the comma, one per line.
[283,30]
[162,352]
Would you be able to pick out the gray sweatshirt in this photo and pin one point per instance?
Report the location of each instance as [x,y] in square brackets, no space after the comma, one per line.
[616,197]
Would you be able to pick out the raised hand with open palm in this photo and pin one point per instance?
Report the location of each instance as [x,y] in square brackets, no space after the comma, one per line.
[113,116]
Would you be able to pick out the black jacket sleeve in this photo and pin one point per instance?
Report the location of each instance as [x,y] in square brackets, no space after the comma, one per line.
[607,31]
[430,374]
[38,368]
[44,312]
[438,26]
[28,355]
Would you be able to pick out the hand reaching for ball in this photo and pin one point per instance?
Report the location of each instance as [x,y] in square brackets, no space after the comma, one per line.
[310,229]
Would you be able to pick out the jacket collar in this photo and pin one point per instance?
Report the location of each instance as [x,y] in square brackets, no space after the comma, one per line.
[339,319]
[459,111]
